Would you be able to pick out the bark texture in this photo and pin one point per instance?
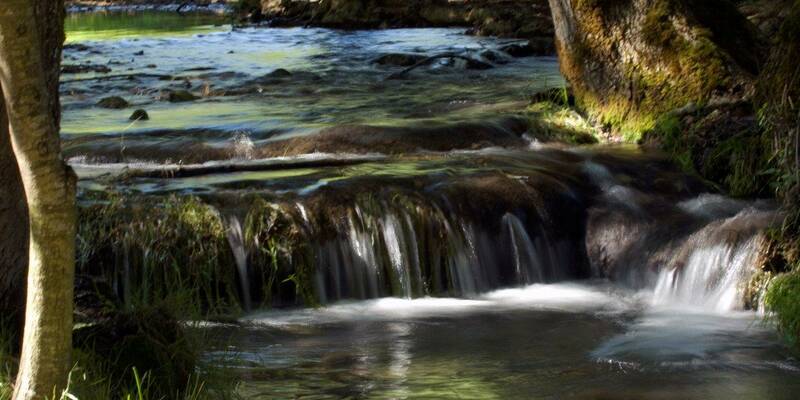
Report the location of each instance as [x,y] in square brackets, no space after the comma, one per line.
[13,233]
[31,37]
[629,61]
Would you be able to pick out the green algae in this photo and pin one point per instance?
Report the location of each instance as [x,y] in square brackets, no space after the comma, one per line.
[81,27]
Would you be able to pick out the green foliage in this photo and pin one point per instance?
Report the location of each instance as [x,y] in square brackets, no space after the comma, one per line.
[276,249]
[778,93]
[556,121]
[173,252]
[783,299]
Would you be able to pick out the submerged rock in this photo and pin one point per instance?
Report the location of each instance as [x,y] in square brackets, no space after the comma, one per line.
[139,115]
[114,102]
[279,73]
[399,59]
[180,96]
[506,132]
[76,47]
[534,47]
[84,68]
[493,56]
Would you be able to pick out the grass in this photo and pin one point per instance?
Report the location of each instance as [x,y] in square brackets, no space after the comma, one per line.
[783,300]
[778,94]
[172,252]
[552,120]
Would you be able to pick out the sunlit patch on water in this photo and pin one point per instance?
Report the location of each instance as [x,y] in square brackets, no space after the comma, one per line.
[114,25]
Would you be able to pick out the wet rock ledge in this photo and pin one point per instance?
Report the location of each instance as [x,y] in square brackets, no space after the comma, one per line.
[528,19]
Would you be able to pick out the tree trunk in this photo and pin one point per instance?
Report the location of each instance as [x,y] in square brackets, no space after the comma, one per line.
[14,234]
[629,62]
[31,36]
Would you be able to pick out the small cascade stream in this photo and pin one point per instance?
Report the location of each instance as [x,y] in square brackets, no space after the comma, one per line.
[714,275]
[236,239]
[402,238]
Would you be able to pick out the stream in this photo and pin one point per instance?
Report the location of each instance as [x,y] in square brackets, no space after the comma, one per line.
[453,254]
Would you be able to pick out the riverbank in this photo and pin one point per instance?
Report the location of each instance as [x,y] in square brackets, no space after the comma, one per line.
[211,6]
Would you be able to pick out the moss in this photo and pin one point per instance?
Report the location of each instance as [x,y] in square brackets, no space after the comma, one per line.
[551,121]
[783,300]
[670,69]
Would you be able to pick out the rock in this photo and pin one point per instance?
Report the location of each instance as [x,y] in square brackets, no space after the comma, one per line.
[477,64]
[630,62]
[199,69]
[114,102]
[279,73]
[511,19]
[399,59]
[493,56]
[180,96]
[76,47]
[504,18]
[139,53]
[139,115]
[519,50]
[84,68]
[362,139]
[534,47]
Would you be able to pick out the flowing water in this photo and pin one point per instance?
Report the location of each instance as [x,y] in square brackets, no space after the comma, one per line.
[452,256]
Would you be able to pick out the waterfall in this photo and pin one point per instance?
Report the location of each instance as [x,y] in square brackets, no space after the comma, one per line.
[712,267]
[236,239]
[395,249]
[463,237]
[528,266]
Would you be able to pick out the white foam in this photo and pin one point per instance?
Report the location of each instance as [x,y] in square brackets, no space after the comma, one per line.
[569,297]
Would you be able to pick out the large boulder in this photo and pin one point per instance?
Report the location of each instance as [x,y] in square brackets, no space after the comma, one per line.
[631,61]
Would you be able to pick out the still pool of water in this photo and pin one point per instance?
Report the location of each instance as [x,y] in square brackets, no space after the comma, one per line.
[586,341]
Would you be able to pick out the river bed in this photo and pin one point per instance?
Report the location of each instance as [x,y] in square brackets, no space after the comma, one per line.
[510,309]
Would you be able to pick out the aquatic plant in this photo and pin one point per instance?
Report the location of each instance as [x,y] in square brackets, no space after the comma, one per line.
[277,251]
[170,251]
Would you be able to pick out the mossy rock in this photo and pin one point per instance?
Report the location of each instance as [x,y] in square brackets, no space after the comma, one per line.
[181,96]
[113,102]
[629,62]
[139,115]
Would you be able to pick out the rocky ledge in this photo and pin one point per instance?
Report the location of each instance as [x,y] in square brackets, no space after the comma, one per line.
[529,19]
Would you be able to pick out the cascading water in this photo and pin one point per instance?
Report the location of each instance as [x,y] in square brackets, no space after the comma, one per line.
[713,266]
[528,266]
[466,238]
[235,237]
